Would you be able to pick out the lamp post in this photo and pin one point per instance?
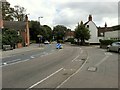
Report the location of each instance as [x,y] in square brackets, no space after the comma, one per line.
[40,36]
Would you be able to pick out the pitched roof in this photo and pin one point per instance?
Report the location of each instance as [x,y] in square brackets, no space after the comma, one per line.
[70,33]
[107,29]
[17,25]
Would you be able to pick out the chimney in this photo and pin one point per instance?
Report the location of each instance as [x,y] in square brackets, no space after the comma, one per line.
[26,18]
[90,18]
[105,24]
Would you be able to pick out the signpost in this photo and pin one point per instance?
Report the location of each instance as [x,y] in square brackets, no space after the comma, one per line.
[40,39]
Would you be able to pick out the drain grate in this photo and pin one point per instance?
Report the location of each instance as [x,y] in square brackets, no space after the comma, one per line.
[92,69]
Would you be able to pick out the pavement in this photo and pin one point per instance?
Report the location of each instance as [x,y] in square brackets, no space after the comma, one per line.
[20,50]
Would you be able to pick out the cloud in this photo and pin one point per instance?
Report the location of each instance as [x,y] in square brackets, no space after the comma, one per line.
[69,13]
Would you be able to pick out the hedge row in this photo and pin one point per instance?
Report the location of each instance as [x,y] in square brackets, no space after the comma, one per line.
[70,40]
[107,42]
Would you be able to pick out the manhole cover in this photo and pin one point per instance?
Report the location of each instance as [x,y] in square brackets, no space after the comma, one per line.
[92,69]
[65,73]
[83,59]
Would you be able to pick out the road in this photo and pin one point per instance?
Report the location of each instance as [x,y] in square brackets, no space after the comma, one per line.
[71,67]
[28,55]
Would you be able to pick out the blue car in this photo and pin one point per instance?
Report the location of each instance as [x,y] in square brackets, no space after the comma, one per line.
[59,46]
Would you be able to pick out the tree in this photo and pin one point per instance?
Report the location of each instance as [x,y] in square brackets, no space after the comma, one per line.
[19,13]
[46,32]
[35,29]
[59,32]
[7,11]
[10,37]
[82,33]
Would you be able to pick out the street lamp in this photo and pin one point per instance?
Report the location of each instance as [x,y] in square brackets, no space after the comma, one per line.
[39,19]
[39,36]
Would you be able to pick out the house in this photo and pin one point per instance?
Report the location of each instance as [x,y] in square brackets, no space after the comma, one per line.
[98,33]
[94,39]
[109,32]
[69,34]
[22,27]
[103,33]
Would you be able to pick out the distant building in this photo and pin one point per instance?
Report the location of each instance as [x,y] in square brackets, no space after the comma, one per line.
[69,34]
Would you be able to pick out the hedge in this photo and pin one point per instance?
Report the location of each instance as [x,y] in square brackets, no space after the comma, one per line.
[107,42]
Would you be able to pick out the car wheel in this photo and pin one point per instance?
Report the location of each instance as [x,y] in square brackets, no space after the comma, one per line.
[108,49]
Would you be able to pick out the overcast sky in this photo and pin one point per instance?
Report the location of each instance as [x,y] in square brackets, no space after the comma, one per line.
[70,12]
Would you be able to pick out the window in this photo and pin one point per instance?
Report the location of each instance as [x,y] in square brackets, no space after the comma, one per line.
[87,26]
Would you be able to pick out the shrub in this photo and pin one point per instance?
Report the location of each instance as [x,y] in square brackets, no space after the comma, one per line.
[107,42]
[61,41]
[71,40]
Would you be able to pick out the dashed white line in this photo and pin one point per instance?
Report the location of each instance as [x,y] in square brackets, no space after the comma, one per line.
[44,79]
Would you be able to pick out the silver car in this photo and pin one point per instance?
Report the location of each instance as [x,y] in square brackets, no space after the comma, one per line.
[114,47]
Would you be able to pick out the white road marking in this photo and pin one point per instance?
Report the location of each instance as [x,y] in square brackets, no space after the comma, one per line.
[108,53]
[72,74]
[75,58]
[77,55]
[15,62]
[104,59]
[44,79]
[4,63]
[32,57]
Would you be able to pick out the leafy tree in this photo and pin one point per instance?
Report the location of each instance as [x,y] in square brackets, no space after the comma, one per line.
[10,37]
[7,11]
[59,32]
[19,13]
[46,32]
[10,14]
[36,29]
[82,33]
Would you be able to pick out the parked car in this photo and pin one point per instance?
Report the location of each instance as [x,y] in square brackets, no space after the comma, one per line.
[114,47]
[7,47]
[46,42]
[59,46]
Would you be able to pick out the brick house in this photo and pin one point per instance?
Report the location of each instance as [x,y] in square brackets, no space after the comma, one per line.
[22,27]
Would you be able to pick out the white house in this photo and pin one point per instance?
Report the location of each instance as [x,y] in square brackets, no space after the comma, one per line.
[93,30]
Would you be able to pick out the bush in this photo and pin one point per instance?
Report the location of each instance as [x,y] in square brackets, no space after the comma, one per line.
[107,42]
[71,40]
[60,41]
